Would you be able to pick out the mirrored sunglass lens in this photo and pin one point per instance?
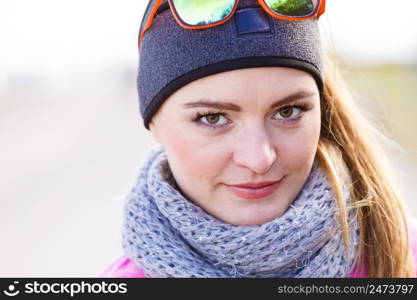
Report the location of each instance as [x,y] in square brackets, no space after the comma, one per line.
[293,8]
[203,12]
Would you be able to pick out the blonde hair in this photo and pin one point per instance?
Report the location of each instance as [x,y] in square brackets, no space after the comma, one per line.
[349,139]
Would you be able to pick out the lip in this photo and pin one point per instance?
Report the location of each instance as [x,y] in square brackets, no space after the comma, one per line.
[254,190]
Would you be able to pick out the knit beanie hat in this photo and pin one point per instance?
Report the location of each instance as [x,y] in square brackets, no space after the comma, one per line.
[171,56]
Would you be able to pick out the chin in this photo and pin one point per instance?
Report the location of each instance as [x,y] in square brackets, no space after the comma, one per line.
[251,219]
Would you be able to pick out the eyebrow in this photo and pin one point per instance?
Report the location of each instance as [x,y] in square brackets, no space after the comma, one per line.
[234,107]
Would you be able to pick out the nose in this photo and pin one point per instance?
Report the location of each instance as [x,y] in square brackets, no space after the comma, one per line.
[255,150]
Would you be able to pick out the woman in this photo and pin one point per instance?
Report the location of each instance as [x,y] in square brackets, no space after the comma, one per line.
[265,167]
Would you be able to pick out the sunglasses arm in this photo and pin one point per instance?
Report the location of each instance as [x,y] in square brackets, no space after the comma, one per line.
[149,20]
[322,8]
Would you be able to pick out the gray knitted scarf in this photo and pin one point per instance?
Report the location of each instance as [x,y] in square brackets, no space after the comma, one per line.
[166,235]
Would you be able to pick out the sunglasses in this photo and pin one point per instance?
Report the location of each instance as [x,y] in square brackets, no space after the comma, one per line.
[200,14]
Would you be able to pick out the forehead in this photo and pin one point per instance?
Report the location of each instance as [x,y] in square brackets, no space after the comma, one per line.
[252,83]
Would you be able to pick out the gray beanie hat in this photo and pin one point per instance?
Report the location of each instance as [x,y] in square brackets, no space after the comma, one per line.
[171,56]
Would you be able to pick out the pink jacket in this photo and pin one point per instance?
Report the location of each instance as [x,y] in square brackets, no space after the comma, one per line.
[125,268]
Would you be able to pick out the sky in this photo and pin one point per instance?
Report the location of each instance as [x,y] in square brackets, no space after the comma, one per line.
[55,35]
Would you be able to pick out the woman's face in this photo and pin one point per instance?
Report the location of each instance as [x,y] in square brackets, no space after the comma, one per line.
[243,126]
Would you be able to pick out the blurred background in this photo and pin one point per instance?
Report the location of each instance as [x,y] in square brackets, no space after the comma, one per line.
[71,136]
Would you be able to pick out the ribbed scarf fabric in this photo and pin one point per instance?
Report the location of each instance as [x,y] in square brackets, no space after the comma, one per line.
[166,235]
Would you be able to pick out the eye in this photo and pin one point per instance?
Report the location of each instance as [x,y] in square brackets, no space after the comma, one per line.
[288,112]
[213,119]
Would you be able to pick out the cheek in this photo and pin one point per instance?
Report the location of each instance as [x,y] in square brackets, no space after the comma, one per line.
[299,149]
[192,159]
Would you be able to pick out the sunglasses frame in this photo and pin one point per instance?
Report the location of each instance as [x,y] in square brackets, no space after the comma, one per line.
[157,3]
